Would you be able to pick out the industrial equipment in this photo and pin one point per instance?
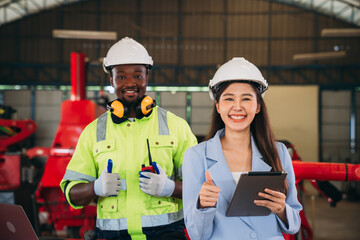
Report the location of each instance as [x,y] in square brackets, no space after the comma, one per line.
[37,172]
[19,174]
[319,174]
[76,113]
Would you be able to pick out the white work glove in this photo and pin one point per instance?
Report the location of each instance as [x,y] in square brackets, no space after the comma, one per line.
[156,184]
[108,184]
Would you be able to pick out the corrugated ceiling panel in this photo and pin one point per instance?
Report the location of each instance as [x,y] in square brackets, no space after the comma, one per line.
[159,6]
[247,6]
[297,25]
[247,26]
[161,26]
[183,33]
[8,47]
[256,51]
[202,52]
[210,6]
[203,26]
[162,51]
[282,50]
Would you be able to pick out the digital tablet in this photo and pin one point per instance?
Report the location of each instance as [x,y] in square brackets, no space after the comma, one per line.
[247,189]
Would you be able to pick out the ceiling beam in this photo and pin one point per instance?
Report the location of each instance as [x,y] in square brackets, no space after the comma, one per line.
[319,56]
[340,32]
[80,34]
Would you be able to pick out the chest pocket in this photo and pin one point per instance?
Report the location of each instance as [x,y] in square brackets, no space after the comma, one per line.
[162,150]
[160,205]
[103,151]
[108,204]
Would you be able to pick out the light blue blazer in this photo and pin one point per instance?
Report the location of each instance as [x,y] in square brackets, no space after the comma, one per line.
[211,223]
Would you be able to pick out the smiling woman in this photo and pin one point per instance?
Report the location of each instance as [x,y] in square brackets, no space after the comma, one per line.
[240,140]
[237,106]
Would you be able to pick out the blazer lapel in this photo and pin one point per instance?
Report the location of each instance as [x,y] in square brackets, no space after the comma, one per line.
[218,167]
[258,163]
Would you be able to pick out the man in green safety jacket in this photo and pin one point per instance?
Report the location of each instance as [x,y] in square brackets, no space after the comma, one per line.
[130,158]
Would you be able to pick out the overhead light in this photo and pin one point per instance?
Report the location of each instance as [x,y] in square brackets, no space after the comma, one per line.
[340,32]
[79,34]
[319,55]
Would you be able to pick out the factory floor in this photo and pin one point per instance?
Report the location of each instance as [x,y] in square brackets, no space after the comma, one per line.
[328,223]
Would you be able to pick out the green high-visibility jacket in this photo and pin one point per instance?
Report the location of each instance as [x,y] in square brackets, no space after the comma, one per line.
[126,144]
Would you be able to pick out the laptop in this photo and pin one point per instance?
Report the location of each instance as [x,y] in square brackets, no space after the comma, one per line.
[247,189]
[14,224]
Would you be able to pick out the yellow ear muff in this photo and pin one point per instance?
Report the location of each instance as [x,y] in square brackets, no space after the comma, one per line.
[147,104]
[118,108]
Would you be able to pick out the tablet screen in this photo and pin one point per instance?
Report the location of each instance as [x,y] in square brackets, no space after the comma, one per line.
[247,189]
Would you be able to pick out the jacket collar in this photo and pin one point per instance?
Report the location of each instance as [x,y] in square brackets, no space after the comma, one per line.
[214,152]
[117,120]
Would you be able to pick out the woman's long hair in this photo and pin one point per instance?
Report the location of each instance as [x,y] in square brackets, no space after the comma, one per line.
[260,129]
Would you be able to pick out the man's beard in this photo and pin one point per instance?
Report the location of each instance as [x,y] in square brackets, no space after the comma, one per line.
[130,104]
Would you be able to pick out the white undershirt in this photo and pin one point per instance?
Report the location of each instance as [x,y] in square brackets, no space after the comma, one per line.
[236,176]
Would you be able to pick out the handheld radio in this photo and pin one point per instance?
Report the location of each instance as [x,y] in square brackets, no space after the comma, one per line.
[150,168]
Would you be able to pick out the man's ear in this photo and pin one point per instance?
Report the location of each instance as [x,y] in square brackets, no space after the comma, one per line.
[111,80]
[147,79]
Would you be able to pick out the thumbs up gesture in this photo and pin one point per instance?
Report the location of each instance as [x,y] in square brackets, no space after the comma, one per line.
[209,193]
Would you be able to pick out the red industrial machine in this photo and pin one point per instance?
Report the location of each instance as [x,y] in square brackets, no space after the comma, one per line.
[13,131]
[18,175]
[76,113]
[319,174]
[17,171]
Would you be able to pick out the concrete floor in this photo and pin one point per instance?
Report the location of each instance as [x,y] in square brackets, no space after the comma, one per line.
[328,223]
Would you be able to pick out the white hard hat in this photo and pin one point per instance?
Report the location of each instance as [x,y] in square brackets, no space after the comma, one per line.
[126,51]
[237,69]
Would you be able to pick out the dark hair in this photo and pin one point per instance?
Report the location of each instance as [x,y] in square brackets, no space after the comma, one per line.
[260,129]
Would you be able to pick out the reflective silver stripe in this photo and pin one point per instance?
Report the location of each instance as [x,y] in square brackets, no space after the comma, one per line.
[111,224]
[162,118]
[76,176]
[101,128]
[146,221]
[162,219]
